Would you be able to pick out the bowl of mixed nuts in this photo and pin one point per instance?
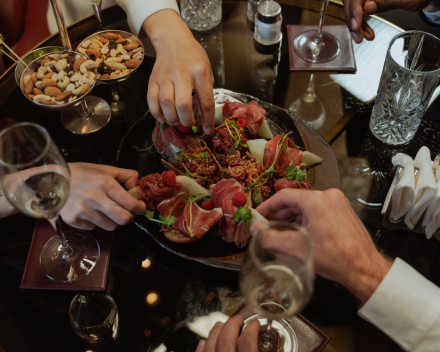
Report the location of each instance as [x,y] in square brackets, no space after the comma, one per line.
[58,80]
[117,54]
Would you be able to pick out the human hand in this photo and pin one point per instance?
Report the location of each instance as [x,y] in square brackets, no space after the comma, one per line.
[224,337]
[344,251]
[181,67]
[97,199]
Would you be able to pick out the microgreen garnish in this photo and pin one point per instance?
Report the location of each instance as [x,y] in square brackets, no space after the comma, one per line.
[146,148]
[244,213]
[295,173]
[205,155]
[164,220]
[195,129]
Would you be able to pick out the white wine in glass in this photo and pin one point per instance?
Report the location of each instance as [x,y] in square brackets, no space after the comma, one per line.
[317,46]
[276,280]
[36,180]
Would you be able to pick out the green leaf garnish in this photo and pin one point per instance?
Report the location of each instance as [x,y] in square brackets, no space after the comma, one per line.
[257,198]
[243,213]
[149,148]
[149,214]
[195,129]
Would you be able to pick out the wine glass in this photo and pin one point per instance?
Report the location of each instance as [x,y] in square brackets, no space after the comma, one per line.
[317,46]
[276,280]
[36,180]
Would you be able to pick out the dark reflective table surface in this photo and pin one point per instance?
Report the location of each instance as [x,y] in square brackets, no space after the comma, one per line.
[32,320]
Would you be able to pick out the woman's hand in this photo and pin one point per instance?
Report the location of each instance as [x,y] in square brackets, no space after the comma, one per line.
[97,198]
[181,67]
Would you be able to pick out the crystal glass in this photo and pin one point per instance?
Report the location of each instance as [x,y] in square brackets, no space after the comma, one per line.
[317,46]
[409,78]
[94,317]
[201,15]
[276,280]
[35,179]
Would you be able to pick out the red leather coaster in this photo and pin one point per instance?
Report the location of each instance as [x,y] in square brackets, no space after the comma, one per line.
[343,62]
[310,338]
[35,278]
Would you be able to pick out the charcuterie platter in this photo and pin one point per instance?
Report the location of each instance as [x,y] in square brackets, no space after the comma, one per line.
[135,152]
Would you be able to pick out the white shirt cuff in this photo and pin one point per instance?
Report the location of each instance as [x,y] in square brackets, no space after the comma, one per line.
[405,305]
[139,10]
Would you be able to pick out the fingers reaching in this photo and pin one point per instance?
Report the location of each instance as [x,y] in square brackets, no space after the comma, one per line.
[153,101]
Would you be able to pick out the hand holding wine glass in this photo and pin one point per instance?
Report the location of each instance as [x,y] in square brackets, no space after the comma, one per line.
[36,180]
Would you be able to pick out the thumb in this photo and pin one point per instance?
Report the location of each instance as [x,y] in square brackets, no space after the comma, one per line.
[255,227]
[371,7]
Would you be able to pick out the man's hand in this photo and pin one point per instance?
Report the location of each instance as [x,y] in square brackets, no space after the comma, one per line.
[181,67]
[97,198]
[344,251]
[225,337]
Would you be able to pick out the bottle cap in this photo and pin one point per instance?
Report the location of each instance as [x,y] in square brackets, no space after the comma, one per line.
[269,12]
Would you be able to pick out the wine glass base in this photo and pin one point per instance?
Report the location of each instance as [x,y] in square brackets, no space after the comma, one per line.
[85,253]
[311,111]
[308,48]
[74,122]
[288,340]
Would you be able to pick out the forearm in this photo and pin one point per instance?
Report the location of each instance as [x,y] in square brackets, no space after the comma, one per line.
[163,35]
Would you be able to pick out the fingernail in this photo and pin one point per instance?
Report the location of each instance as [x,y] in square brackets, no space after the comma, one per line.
[160,119]
[353,23]
[354,36]
[208,130]
[202,343]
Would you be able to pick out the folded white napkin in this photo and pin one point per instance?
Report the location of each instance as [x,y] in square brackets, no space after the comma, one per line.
[203,325]
[431,221]
[402,198]
[425,187]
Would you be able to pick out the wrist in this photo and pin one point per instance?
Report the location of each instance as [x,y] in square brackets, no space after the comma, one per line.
[366,277]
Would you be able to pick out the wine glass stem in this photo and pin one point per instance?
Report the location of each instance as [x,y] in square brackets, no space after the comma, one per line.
[97,10]
[309,95]
[266,339]
[61,25]
[324,5]
[84,110]
[115,94]
[67,250]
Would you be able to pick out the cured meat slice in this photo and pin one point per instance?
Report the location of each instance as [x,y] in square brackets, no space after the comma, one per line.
[252,112]
[168,141]
[154,191]
[285,183]
[231,230]
[286,158]
[190,218]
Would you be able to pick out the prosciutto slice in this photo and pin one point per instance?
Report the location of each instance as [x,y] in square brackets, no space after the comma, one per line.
[153,191]
[252,112]
[285,158]
[168,141]
[285,183]
[230,230]
[190,218]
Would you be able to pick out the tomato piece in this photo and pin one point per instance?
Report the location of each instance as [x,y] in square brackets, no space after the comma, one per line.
[233,157]
[241,122]
[236,171]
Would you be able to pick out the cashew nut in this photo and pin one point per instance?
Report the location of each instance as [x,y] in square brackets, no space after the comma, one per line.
[81,90]
[55,56]
[138,56]
[41,72]
[39,97]
[125,57]
[38,85]
[87,65]
[61,65]
[61,75]
[81,50]
[65,81]
[124,52]
[76,77]
[70,87]
[64,56]
[112,60]
[54,77]
[113,53]
[120,67]
[97,43]
[89,78]
[86,43]
[119,48]
[98,61]
[105,49]
[72,98]
[137,50]
[26,79]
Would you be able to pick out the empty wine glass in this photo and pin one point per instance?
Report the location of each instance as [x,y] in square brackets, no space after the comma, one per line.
[276,279]
[36,180]
[317,46]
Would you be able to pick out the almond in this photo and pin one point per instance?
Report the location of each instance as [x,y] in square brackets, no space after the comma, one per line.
[104,41]
[110,36]
[105,76]
[46,102]
[121,41]
[48,83]
[62,96]
[120,36]
[132,63]
[48,75]
[131,46]
[94,52]
[37,91]
[78,63]
[31,96]
[34,77]
[46,59]
[29,87]
[52,91]
[129,53]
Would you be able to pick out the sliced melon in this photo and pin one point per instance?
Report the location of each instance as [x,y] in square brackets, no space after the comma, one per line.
[219,115]
[264,130]
[256,148]
[309,158]
[192,186]
[257,217]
